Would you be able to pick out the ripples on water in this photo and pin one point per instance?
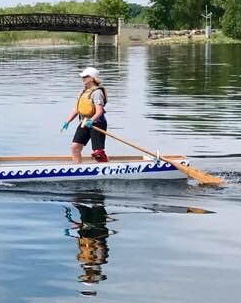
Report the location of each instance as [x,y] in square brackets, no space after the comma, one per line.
[116,239]
[149,241]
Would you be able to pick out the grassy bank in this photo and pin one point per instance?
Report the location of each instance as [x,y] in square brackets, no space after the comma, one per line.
[43,37]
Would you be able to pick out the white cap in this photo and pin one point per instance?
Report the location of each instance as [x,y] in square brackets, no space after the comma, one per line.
[91,72]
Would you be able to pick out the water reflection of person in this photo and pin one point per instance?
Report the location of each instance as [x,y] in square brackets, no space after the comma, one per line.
[92,234]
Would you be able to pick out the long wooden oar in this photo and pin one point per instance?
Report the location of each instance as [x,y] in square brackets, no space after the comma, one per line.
[201,177]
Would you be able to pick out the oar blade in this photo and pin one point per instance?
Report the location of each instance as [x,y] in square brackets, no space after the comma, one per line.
[202,177]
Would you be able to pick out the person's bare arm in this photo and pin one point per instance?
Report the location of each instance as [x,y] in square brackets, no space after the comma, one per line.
[98,112]
[72,115]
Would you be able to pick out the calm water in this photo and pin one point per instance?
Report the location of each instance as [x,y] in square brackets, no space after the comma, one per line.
[161,242]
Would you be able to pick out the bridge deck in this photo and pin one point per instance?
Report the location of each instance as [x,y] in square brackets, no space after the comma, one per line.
[59,22]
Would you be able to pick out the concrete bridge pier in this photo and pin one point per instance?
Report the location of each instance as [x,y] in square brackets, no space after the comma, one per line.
[105,40]
[109,40]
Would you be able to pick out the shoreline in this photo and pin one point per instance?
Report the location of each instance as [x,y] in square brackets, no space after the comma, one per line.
[179,40]
[215,38]
[185,39]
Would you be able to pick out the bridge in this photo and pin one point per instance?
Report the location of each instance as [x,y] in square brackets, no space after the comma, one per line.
[59,22]
[106,30]
[98,25]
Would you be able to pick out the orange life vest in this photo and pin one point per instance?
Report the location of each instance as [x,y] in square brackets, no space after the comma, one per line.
[85,105]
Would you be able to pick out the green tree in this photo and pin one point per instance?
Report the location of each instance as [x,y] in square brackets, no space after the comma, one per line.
[73,7]
[217,8]
[187,13]
[232,19]
[219,3]
[184,14]
[114,8]
[137,13]
[159,15]
[134,10]
[41,7]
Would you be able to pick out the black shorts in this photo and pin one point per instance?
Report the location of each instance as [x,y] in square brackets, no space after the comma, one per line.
[83,135]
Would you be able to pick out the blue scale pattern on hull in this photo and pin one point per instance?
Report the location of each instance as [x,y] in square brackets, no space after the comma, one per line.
[45,173]
[157,167]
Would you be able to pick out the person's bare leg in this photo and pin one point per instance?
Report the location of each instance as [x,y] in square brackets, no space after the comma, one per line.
[76,149]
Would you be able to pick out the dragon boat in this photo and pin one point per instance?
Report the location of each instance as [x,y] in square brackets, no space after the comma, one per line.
[61,168]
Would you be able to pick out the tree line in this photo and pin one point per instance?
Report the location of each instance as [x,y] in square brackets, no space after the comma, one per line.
[160,14]
[190,14]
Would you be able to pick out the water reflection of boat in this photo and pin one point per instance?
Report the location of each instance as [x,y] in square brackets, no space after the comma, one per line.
[61,168]
[91,234]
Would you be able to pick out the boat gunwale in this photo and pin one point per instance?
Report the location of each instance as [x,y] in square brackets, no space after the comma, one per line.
[86,159]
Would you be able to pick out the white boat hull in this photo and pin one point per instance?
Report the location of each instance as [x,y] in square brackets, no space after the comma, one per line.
[60,168]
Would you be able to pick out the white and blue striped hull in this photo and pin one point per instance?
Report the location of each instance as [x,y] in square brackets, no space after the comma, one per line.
[25,169]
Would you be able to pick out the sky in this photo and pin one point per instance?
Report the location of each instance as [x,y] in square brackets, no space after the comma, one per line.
[9,3]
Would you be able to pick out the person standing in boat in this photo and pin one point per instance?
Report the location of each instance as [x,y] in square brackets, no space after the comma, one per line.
[90,104]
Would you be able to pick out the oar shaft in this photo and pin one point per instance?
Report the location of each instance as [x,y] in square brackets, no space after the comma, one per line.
[124,141]
[201,177]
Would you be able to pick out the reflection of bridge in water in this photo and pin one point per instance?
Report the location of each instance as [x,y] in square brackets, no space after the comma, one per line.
[104,28]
